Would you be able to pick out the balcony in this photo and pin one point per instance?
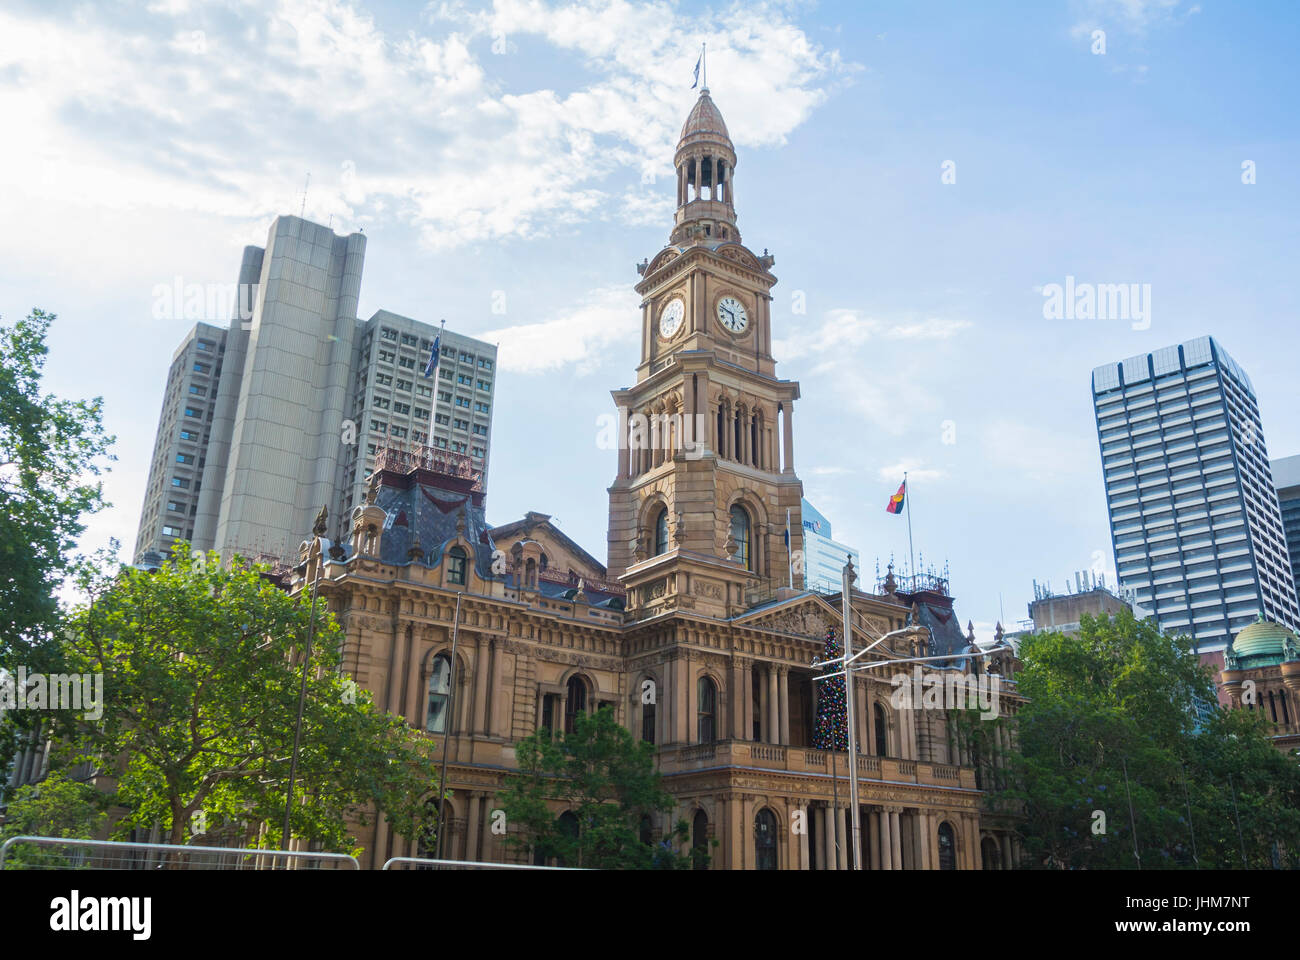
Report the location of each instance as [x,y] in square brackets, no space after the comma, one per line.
[689,758]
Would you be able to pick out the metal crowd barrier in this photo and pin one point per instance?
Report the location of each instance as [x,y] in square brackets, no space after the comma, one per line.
[60,853]
[420,863]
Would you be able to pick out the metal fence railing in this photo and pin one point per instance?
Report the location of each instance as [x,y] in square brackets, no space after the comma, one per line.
[419,863]
[60,853]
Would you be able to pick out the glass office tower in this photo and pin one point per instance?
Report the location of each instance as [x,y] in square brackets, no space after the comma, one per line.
[1286,479]
[1194,517]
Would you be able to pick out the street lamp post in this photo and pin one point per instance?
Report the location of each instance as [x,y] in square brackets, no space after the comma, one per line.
[446,733]
[854,847]
[850,667]
[302,690]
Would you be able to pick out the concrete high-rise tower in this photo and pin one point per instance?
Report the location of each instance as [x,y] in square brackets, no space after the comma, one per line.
[284,412]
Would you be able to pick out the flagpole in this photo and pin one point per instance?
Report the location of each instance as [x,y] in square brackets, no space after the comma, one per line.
[907,502]
[704,59]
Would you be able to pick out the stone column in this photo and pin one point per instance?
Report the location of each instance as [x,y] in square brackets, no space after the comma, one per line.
[841,823]
[828,820]
[681,719]
[747,699]
[497,694]
[624,460]
[481,669]
[735,701]
[871,824]
[735,835]
[885,846]
[471,828]
[804,862]
[923,828]
[774,706]
[414,706]
[784,698]
[1007,859]
[787,413]
[896,834]
[764,710]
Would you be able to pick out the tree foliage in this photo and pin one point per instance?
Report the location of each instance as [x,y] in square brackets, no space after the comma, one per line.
[50,452]
[607,780]
[1122,711]
[202,669]
[55,807]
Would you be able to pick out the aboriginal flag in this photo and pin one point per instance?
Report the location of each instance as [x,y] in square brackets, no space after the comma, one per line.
[895,504]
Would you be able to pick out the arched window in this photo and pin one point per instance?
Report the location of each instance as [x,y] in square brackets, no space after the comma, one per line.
[708,708]
[740,533]
[456,563]
[947,847]
[700,841]
[575,703]
[648,722]
[530,574]
[661,531]
[990,856]
[427,841]
[439,695]
[568,823]
[882,731]
[765,840]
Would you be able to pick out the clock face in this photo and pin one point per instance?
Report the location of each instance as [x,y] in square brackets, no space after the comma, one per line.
[732,315]
[670,320]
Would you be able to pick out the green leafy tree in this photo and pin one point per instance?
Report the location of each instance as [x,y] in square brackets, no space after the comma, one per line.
[55,807]
[607,780]
[1122,714]
[202,668]
[50,451]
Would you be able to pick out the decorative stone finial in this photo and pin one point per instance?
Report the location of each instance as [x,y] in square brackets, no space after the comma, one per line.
[321,527]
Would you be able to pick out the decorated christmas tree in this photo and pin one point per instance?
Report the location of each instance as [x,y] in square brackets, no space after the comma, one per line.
[832,731]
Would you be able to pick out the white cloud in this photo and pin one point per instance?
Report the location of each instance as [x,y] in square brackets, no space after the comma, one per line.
[893,473]
[606,317]
[846,329]
[225,115]
[1135,16]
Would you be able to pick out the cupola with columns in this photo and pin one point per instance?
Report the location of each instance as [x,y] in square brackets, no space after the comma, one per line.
[706,462]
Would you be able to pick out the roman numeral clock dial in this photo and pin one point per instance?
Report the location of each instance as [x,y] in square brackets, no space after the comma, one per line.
[732,315]
[670,321]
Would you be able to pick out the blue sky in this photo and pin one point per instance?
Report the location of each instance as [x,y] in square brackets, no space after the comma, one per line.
[525,147]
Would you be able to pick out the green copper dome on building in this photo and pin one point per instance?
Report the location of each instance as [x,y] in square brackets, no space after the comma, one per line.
[1262,643]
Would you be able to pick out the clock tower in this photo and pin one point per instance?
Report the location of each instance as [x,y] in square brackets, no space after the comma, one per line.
[706,475]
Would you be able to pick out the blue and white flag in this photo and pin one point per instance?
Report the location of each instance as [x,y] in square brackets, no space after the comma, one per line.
[434,352]
[697,70]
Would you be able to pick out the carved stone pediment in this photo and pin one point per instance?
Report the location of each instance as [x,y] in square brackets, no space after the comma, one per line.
[811,619]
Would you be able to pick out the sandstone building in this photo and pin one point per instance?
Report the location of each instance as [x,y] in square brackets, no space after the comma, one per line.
[700,596]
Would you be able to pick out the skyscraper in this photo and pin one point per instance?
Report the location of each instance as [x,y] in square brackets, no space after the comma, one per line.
[824,557]
[267,421]
[1194,518]
[1286,480]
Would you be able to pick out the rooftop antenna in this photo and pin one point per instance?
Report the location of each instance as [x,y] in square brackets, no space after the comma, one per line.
[302,212]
